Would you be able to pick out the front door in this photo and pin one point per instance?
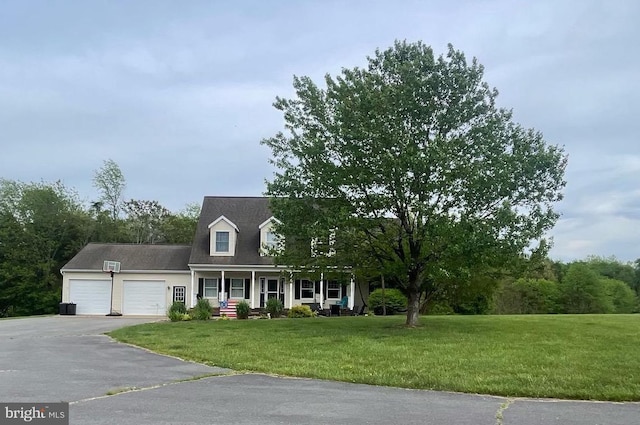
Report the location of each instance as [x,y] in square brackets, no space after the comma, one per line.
[272,288]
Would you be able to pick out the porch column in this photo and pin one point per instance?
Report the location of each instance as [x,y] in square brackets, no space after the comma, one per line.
[352,292]
[322,290]
[253,289]
[193,293]
[221,296]
[291,297]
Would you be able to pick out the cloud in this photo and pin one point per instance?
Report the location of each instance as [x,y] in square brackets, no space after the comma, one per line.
[180,95]
[601,209]
[603,235]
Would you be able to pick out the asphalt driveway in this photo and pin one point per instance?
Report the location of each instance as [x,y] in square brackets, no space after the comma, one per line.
[67,358]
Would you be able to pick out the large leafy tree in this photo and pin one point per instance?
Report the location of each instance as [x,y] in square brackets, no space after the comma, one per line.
[111,184]
[145,219]
[582,291]
[613,269]
[150,222]
[180,228]
[41,226]
[104,228]
[409,161]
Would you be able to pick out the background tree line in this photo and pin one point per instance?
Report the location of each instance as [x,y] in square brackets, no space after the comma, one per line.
[530,285]
[43,225]
[594,285]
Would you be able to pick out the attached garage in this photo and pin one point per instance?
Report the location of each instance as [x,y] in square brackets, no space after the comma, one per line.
[90,296]
[144,297]
[143,287]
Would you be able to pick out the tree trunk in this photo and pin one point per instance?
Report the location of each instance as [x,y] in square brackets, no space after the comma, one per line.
[413,308]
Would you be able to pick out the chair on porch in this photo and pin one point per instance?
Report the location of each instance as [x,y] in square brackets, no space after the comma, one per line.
[344,306]
[344,302]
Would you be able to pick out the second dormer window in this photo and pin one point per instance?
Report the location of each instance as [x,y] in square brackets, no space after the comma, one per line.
[272,240]
[222,241]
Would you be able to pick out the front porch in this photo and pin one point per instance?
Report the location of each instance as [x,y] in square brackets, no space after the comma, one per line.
[256,286]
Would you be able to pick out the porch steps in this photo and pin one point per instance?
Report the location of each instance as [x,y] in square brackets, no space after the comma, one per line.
[229,310]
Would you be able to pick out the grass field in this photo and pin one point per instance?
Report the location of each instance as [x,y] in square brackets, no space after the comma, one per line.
[593,357]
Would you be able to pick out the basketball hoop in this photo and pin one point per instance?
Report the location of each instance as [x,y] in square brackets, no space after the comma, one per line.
[111,267]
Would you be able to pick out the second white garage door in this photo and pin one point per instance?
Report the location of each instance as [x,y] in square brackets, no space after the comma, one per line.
[144,297]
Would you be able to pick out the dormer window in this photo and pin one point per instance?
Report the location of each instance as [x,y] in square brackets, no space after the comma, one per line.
[223,236]
[269,239]
[222,241]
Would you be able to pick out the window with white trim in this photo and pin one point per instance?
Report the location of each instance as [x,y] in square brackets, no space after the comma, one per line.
[272,240]
[222,241]
[179,294]
[237,288]
[210,287]
[333,289]
[306,289]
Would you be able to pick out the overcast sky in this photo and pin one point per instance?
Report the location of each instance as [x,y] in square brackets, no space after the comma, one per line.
[180,93]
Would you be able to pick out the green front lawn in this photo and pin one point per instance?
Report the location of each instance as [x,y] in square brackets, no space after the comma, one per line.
[567,356]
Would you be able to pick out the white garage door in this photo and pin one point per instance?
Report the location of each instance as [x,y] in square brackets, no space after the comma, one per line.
[145,297]
[90,296]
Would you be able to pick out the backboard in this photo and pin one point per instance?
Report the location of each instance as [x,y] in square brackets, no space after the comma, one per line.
[111,266]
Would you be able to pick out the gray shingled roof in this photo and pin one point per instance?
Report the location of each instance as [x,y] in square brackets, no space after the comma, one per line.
[245,212]
[131,257]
